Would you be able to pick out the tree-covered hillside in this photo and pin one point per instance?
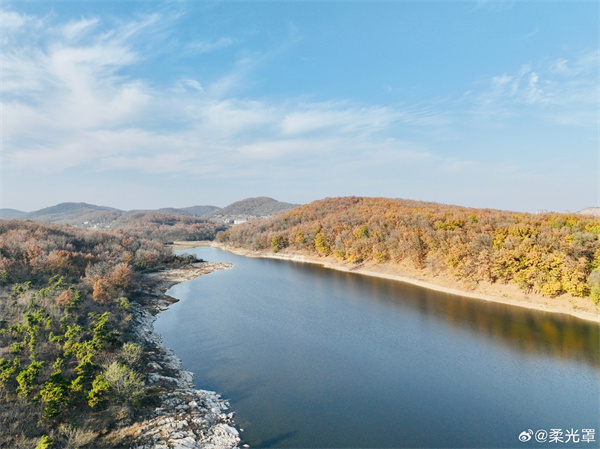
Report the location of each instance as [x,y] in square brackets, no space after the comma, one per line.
[547,253]
[261,206]
[165,225]
[70,370]
[167,228]
[66,212]
[9,214]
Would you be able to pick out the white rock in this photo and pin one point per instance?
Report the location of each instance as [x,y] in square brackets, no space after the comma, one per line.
[177,435]
[154,366]
[232,431]
[184,443]
[182,405]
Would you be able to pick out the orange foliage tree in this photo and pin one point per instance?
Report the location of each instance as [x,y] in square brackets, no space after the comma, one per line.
[547,253]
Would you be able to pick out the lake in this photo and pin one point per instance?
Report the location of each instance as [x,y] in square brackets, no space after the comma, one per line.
[316,358]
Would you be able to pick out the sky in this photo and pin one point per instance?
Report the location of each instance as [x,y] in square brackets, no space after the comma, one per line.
[146,104]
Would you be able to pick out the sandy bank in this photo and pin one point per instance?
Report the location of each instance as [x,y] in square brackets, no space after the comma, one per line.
[510,294]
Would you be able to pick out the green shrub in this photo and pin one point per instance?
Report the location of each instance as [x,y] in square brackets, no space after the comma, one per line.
[98,392]
[45,442]
[7,370]
[27,377]
[123,381]
[55,394]
[124,304]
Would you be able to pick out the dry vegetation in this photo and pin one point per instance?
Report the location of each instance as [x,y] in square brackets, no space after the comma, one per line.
[70,372]
[551,254]
[168,228]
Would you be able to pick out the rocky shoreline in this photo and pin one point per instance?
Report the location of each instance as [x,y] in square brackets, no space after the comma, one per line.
[186,418]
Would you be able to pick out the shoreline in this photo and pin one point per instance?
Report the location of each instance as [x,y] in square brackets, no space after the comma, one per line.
[499,293]
[185,418]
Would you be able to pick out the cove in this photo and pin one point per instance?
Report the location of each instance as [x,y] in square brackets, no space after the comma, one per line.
[316,358]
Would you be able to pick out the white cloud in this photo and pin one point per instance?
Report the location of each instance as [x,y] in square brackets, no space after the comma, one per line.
[74,30]
[325,117]
[192,84]
[68,104]
[562,91]
[585,64]
[11,20]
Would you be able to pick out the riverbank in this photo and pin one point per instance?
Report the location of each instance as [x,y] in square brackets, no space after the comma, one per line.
[509,294]
[185,418]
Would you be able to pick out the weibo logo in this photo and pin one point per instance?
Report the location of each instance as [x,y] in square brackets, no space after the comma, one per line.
[525,435]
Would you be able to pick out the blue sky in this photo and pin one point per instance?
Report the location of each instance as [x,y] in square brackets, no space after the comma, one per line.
[137,104]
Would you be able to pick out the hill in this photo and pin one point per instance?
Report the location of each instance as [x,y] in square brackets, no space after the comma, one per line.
[192,211]
[90,216]
[167,228]
[180,225]
[66,212]
[590,211]
[251,208]
[79,364]
[151,225]
[65,307]
[551,254]
[9,214]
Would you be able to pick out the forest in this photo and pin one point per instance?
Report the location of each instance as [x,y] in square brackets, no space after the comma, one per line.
[550,253]
[70,370]
[167,228]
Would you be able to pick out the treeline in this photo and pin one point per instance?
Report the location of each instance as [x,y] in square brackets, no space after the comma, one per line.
[168,228]
[70,369]
[551,254]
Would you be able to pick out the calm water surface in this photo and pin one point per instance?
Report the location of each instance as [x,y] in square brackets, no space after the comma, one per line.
[316,358]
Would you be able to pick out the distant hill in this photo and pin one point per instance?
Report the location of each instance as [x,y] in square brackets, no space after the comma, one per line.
[90,216]
[192,211]
[66,212]
[250,208]
[199,211]
[178,225]
[10,214]
[590,211]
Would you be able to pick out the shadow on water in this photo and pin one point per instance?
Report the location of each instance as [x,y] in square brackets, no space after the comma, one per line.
[275,441]
[245,390]
[312,357]
[526,330]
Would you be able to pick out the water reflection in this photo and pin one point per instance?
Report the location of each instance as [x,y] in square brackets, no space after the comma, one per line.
[527,330]
[311,357]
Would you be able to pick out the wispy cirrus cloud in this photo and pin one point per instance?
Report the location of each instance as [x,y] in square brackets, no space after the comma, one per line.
[73,99]
[75,29]
[67,103]
[563,91]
